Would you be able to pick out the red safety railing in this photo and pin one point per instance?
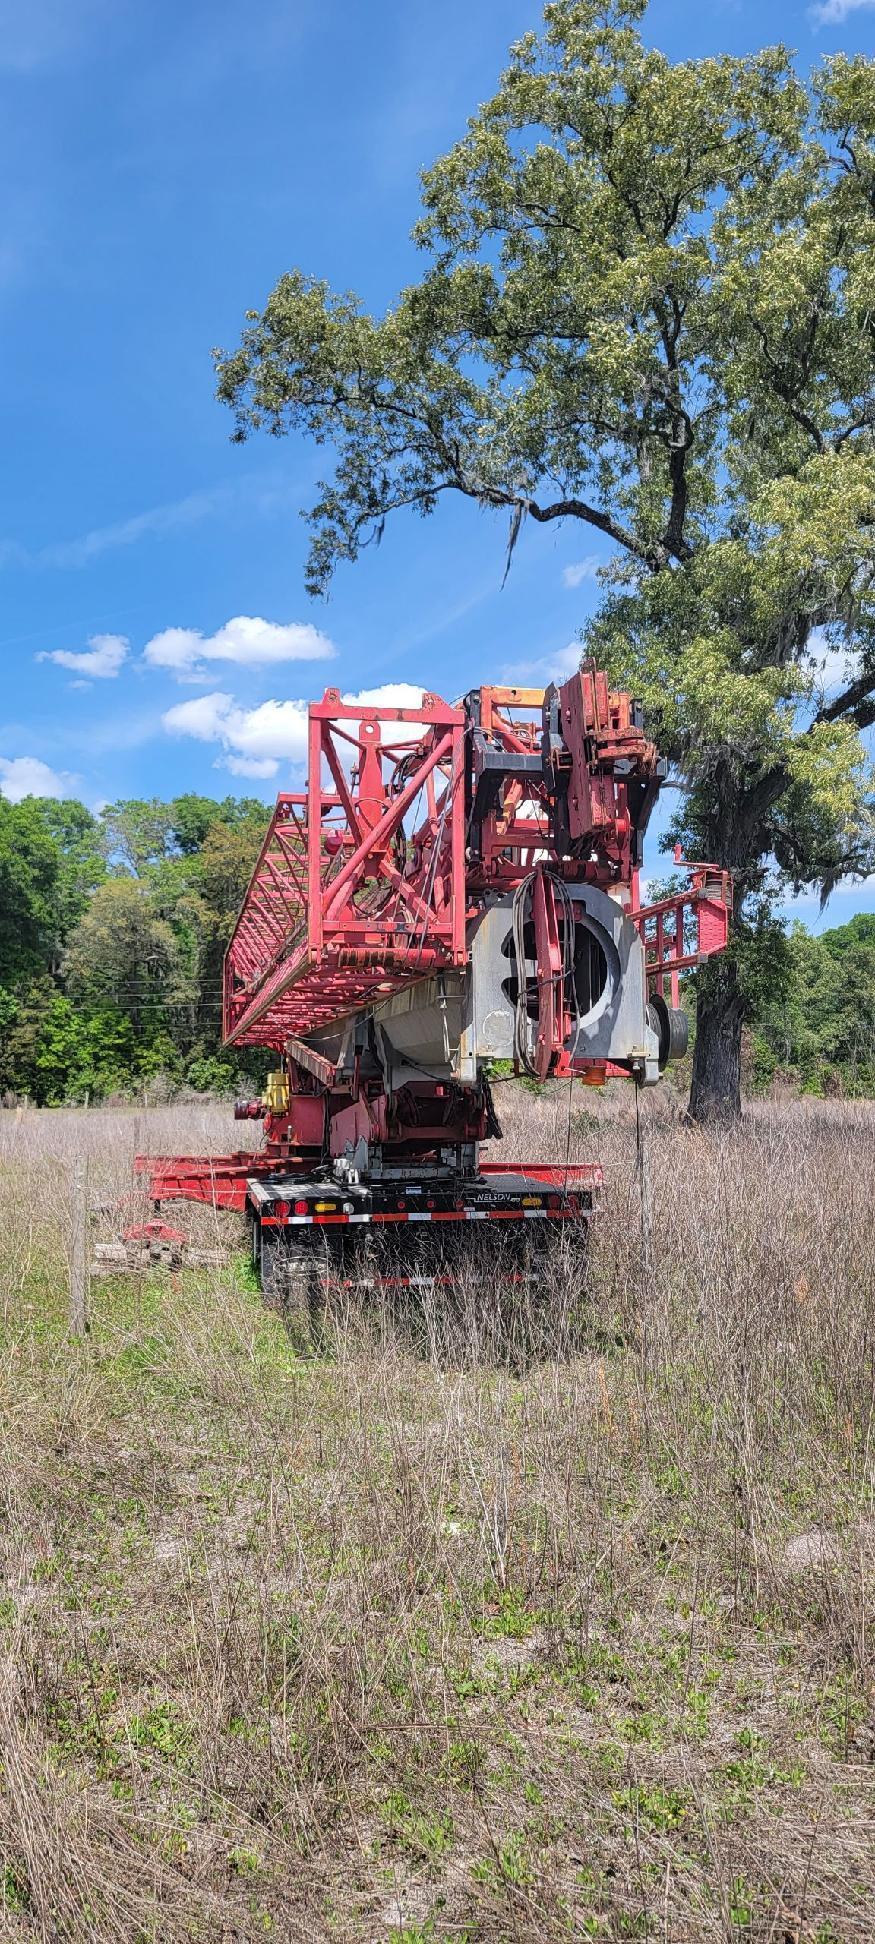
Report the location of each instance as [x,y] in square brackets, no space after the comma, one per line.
[681,931]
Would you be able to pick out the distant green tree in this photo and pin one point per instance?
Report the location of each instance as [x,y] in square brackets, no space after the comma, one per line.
[646,309]
[123,957]
[224,867]
[138,832]
[225,864]
[197,891]
[823,1030]
[845,1017]
[191,817]
[30,867]
[57,1051]
[107,979]
[245,810]
[79,841]
[210,1074]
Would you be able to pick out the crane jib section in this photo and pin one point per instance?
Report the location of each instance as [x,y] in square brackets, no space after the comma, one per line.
[360,884]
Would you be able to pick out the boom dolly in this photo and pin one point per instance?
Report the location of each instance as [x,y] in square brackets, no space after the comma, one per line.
[457,886]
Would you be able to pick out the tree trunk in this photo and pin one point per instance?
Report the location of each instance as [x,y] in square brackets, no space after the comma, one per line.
[715,1094]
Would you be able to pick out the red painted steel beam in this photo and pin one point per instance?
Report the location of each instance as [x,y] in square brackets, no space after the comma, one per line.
[367,922]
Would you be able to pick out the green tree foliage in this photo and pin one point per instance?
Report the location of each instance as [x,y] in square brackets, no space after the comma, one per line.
[822,1035]
[137,833]
[79,841]
[647,308]
[30,868]
[58,1050]
[123,955]
[112,933]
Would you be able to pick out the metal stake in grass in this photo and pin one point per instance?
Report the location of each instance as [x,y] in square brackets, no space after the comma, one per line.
[79,1247]
[644,1184]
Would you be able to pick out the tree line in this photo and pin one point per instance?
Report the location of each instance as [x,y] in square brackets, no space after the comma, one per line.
[112,933]
[113,929]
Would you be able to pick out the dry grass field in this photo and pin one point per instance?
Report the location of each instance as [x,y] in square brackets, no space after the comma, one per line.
[427,1638]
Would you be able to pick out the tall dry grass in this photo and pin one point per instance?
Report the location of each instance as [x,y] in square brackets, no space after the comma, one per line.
[477,1625]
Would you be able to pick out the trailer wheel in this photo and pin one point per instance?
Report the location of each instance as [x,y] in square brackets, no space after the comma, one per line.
[289,1283]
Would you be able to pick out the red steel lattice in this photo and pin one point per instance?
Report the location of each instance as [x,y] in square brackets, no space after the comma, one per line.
[360,884]
[364,882]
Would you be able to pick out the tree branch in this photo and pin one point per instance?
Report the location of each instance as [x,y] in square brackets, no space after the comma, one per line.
[655,556]
[788,394]
[854,700]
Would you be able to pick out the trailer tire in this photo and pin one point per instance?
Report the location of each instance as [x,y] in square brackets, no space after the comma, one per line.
[289,1283]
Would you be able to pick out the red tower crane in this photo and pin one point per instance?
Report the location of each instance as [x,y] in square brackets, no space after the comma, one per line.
[456,886]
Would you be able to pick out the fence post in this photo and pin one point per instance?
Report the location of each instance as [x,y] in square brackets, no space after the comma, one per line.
[79,1247]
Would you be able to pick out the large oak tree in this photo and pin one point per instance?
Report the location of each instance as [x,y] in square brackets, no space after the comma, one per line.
[647,306]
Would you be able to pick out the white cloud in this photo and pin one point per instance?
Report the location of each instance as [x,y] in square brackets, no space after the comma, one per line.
[263,736]
[553,667]
[833,12]
[254,742]
[580,570]
[23,776]
[202,717]
[565,662]
[245,640]
[100,661]
[257,766]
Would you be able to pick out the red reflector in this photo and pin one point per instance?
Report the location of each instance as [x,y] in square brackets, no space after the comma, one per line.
[281,1209]
[402,1204]
[300,1208]
[553,1201]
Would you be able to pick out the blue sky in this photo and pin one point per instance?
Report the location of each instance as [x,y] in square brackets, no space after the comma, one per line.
[162,165]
